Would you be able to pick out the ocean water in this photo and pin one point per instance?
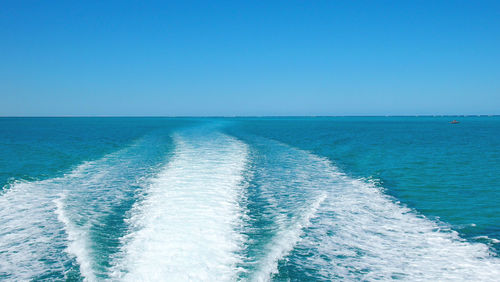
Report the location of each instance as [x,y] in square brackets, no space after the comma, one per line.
[250,199]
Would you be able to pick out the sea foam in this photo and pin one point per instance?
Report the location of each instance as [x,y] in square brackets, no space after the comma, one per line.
[49,226]
[32,239]
[77,245]
[361,233]
[330,226]
[185,227]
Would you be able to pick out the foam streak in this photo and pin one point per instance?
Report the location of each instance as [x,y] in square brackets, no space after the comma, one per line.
[185,227]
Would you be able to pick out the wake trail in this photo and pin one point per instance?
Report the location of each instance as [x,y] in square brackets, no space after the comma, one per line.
[57,228]
[186,226]
[329,226]
[32,239]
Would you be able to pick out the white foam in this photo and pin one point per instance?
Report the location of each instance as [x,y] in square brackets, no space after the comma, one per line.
[41,219]
[78,245]
[30,234]
[285,240]
[361,233]
[488,239]
[36,227]
[354,231]
[287,203]
[185,228]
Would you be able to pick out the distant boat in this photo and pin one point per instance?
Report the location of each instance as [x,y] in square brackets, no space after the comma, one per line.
[454,121]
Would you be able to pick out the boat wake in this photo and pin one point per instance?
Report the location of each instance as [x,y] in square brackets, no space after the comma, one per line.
[206,206]
[328,226]
[55,228]
[186,226]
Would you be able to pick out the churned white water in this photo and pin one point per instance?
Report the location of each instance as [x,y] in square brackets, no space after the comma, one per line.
[32,239]
[285,239]
[194,217]
[360,233]
[185,227]
[78,245]
[46,225]
[329,226]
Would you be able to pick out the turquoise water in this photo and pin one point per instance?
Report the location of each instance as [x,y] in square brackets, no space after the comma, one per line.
[319,198]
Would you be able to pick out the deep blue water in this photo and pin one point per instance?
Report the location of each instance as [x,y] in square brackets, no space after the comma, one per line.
[318,198]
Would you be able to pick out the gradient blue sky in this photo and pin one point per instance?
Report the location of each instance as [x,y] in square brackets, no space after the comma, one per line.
[249,57]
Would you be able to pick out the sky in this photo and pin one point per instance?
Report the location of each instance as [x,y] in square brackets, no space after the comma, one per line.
[227,58]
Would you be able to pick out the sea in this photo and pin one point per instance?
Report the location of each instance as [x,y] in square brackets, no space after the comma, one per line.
[250,199]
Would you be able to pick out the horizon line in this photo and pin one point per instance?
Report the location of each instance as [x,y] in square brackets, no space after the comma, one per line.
[243,116]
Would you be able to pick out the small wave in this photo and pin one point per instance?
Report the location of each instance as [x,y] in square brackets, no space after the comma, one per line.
[487,239]
[285,240]
[78,245]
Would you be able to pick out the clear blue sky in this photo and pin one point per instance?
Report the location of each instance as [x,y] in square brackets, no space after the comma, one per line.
[249,57]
